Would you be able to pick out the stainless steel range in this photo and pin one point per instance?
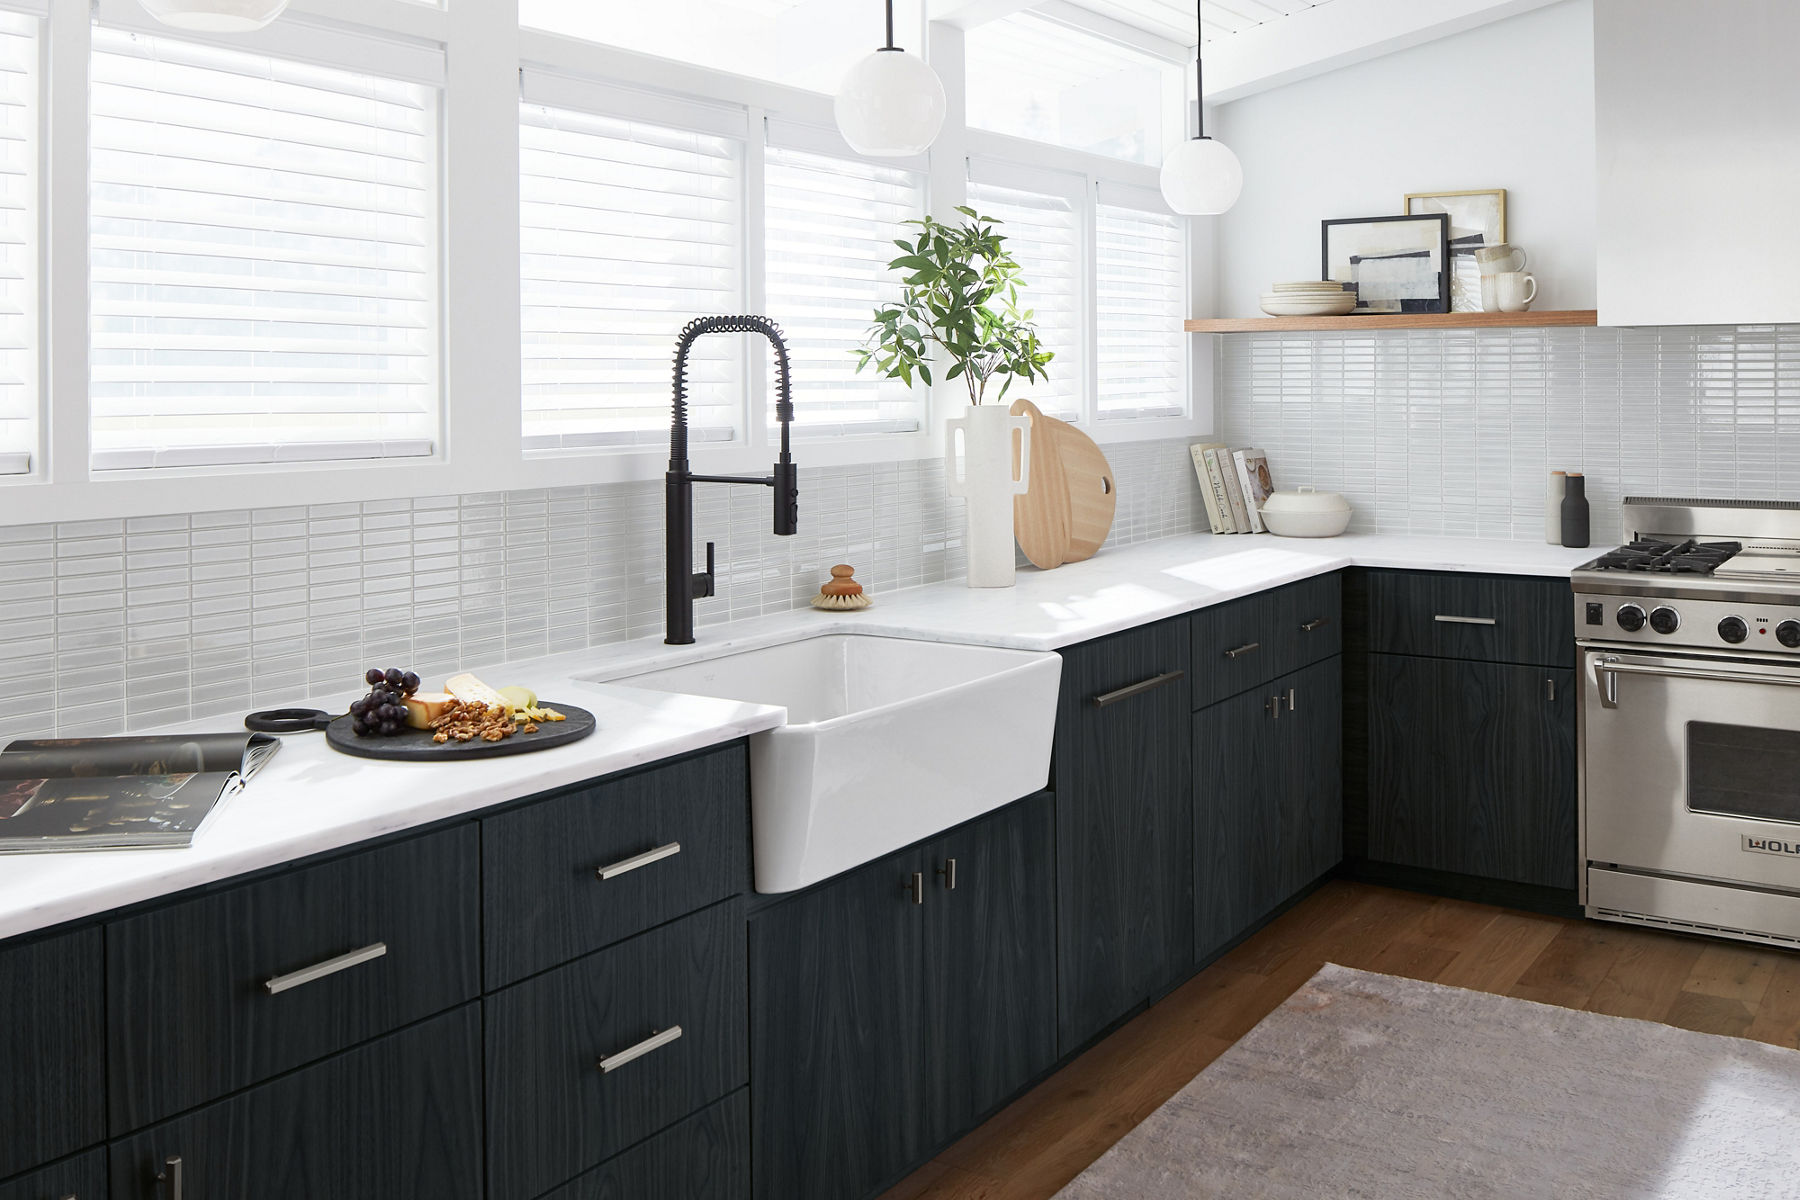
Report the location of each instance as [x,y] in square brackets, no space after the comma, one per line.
[1689,638]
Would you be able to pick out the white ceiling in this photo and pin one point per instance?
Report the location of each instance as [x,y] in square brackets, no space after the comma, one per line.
[1174,19]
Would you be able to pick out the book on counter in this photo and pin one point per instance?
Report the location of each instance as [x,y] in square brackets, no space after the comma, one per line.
[121,793]
[1233,485]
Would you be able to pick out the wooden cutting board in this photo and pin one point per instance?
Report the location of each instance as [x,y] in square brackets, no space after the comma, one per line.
[1070,499]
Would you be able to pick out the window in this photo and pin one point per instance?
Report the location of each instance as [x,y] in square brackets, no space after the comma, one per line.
[830,225]
[18,242]
[1141,284]
[629,230]
[1043,232]
[1032,76]
[263,254]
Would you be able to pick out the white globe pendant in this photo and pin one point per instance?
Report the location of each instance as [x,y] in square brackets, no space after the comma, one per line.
[215,16]
[891,105]
[1201,178]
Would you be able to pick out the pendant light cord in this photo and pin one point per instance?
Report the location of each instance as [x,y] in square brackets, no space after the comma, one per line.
[890,27]
[1199,75]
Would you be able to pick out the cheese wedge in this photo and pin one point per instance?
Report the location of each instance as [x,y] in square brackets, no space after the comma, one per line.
[471,690]
[422,708]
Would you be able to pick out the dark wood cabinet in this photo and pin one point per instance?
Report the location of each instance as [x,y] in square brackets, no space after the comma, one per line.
[1268,800]
[1243,643]
[1124,826]
[80,1178]
[193,1007]
[1472,768]
[890,1010]
[705,1157]
[52,1049]
[1491,618]
[397,1119]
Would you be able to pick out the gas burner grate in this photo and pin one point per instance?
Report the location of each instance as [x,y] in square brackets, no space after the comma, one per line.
[1668,558]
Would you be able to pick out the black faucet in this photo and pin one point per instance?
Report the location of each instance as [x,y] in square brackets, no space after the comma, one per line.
[682,584]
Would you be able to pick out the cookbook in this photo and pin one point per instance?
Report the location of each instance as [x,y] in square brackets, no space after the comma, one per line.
[121,793]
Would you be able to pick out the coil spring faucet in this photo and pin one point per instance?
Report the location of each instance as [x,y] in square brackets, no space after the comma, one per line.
[682,584]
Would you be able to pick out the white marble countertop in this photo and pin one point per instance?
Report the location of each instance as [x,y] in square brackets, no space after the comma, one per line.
[310,799]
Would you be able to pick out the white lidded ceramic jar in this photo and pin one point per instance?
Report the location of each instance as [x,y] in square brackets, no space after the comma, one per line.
[1306,512]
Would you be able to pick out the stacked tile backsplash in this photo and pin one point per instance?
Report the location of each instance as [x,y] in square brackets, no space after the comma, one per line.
[1454,432]
[127,624]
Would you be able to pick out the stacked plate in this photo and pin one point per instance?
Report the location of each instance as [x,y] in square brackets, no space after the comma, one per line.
[1308,298]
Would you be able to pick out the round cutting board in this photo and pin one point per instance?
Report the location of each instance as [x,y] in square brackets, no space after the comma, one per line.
[1041,514]
[415,745]
[1093,497]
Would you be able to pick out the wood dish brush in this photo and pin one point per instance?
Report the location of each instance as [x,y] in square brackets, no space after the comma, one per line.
[842,593]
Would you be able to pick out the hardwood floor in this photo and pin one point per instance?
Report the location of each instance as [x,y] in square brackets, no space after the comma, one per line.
[1037,1144]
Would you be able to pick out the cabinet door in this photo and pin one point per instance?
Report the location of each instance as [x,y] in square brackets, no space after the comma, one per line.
[706,1157]
[1124,820]
[52,1049]
[1238,783]
[80,1178]
[1312,756]
[836,1007]
[1472,768]
[990,963]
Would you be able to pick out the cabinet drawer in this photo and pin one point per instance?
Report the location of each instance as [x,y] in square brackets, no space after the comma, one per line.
[554,1109]
[218,992]
[544,898]
[80,1178]
[706,1157]
[398,1119]
[1488,618]
[52,1049]
[1246,642]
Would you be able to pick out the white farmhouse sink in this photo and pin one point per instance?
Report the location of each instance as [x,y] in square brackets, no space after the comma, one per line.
[887,741]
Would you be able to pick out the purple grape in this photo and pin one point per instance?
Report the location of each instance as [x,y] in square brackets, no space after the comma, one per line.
[394,676]
[374,675]
[409,683]
[358,707]
[359,728]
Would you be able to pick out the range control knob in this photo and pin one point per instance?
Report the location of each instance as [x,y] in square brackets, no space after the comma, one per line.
[1631,618]
[1788,634]
[1665,620]
[1733,630]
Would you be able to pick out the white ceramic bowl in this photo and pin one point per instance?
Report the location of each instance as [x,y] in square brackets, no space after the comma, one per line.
[1305,512]
[1287,304]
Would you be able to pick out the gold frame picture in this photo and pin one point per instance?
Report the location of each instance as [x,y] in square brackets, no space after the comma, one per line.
[1456,210]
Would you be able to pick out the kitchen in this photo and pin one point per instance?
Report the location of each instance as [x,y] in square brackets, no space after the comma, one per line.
[882,793]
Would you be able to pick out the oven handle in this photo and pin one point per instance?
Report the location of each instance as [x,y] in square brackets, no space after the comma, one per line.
[1608,669]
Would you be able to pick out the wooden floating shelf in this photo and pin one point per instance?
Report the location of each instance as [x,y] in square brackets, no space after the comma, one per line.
[1461,320]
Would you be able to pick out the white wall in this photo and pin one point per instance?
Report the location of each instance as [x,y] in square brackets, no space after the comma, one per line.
[1509,105]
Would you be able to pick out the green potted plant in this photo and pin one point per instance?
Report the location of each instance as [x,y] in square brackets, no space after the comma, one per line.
[959,302]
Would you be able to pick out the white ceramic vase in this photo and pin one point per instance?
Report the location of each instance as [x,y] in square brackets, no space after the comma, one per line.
[986,483]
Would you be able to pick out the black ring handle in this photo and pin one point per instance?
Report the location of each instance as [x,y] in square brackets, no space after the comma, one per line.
[288,720]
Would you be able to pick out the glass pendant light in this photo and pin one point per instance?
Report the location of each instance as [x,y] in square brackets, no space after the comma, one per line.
[1201,177]
[215,16]
[891,104]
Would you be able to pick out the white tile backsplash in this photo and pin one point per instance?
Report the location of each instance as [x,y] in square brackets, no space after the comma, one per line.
[110,625]
[1455,431]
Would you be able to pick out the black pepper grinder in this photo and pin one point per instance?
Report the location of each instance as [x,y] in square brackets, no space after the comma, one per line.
[1575,512]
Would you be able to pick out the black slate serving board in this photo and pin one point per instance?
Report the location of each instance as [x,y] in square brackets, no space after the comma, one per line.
[415,745]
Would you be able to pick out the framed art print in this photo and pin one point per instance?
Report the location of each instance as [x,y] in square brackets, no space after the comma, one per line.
[1395,264]
[1477,219]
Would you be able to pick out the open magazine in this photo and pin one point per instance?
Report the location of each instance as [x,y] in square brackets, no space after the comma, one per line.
[121,793]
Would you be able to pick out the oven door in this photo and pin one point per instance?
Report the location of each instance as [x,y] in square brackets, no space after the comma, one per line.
[1691,765]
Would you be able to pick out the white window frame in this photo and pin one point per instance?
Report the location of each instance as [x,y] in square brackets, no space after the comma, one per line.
[480,449]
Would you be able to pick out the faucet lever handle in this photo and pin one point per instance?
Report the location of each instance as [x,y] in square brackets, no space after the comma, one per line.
[703,580]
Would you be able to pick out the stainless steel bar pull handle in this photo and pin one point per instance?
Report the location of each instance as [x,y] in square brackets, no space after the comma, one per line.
[638,860]
[1608,670]
[655,1041]
[1138,689]
[1449,620]
[1315,623]
[170,1177]
[1550,690]
[948,871]
[1240,651]
[331,966]
[1272,706]
[915,887]
[1290,699]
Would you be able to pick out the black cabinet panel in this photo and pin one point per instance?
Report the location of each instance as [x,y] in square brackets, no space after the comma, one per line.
[1491,618]
[990,962]
[1124,828]
[52,1049]
[191,1017]
[1243,643]
[838,1105]
[705,1157]
[552,1110]
[1311,613]
[79,1178]
[398,1119]
[1313,817]
[1472,768]
[543,902]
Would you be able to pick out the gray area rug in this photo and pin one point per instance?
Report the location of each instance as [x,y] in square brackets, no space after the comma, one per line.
[1371,1086]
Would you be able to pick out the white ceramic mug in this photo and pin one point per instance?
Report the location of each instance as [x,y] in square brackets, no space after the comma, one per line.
[1497,260]
[1513,291]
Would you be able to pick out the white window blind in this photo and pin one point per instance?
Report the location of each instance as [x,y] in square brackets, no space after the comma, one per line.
[263,253]
[1141,282]
[628,231]
[829,233]
[1043,232]
[18,241]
